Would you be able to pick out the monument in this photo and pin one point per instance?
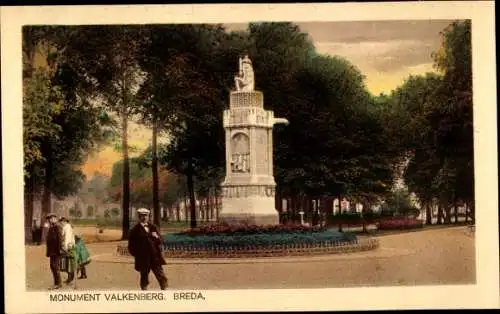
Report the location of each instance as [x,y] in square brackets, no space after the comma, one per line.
[249,187]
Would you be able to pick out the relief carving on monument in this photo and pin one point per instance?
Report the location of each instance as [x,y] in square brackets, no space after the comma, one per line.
[241,116]
[240,157]
[261,117]
[248,190]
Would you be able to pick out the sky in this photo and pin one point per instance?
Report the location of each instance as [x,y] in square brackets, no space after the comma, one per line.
[386,52]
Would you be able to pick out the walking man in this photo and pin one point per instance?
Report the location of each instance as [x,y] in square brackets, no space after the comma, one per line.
[54,248]
[145,245]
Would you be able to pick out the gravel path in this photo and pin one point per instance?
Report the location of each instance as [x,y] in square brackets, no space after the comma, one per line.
[438,256]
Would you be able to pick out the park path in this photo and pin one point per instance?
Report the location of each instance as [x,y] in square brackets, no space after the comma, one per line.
[437,256]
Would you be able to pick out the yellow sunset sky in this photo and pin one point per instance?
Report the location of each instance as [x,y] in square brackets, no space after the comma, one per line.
[386,52]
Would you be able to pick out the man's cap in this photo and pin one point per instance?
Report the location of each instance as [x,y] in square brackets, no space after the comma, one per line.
[143,211]
[49,215]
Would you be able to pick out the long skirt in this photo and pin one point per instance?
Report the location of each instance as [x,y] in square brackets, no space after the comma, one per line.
[68,262]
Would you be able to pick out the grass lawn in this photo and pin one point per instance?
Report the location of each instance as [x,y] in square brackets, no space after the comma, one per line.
[89,229]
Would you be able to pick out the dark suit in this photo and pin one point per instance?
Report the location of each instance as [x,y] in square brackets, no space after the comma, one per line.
[147,252]
[54,247]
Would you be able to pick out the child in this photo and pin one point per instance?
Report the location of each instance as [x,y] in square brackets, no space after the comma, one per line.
[82,257]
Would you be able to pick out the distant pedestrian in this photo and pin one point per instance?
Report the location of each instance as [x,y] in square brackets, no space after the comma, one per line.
[68,246]
[36,232]
[145,245]
[82,257]
[54,249]
[45,230]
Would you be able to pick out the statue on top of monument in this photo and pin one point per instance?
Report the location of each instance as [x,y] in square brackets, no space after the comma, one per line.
[245,80]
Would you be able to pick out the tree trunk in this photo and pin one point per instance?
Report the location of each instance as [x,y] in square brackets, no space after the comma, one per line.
[447,209]
[186,209]
[207,208]
[363,213]
[178,211]
[154,168]
[202,209]
[218,205]
[192,198]
[340,204]
[340,211]
[29,205]
[440,214]
[428,212]
[47,181]
[466,210]
[473,212]
[125,180]
[170,213]
[278,203]
[455,211]
[322,211]
[329,207]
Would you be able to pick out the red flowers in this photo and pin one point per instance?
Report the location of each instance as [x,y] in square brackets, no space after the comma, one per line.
[248,229]
[399,223]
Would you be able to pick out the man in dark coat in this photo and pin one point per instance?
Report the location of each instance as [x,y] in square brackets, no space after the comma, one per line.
[54,249]
[145,245]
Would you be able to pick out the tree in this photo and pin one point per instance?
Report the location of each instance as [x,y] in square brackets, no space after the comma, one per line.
[60,127]
[165,63]
[116,77]
[192,86]
[95,189]
[437,137]
[455,120]
[409,130]
[399,202]
[170,189]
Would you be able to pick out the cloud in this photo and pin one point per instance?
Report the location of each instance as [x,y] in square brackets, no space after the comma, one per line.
[358,31]
[385,56]
[383,46]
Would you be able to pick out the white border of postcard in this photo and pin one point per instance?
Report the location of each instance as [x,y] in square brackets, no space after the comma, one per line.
[484,294]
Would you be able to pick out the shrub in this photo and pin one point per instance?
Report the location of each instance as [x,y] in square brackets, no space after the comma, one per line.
[371,216]
[347,218]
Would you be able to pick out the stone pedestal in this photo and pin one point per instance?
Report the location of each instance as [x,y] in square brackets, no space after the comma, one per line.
[249,187]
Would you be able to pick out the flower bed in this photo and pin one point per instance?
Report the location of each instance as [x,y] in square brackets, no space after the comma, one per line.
[272,251]
[397,223]
[255,236]
[263,239]
[259,241]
